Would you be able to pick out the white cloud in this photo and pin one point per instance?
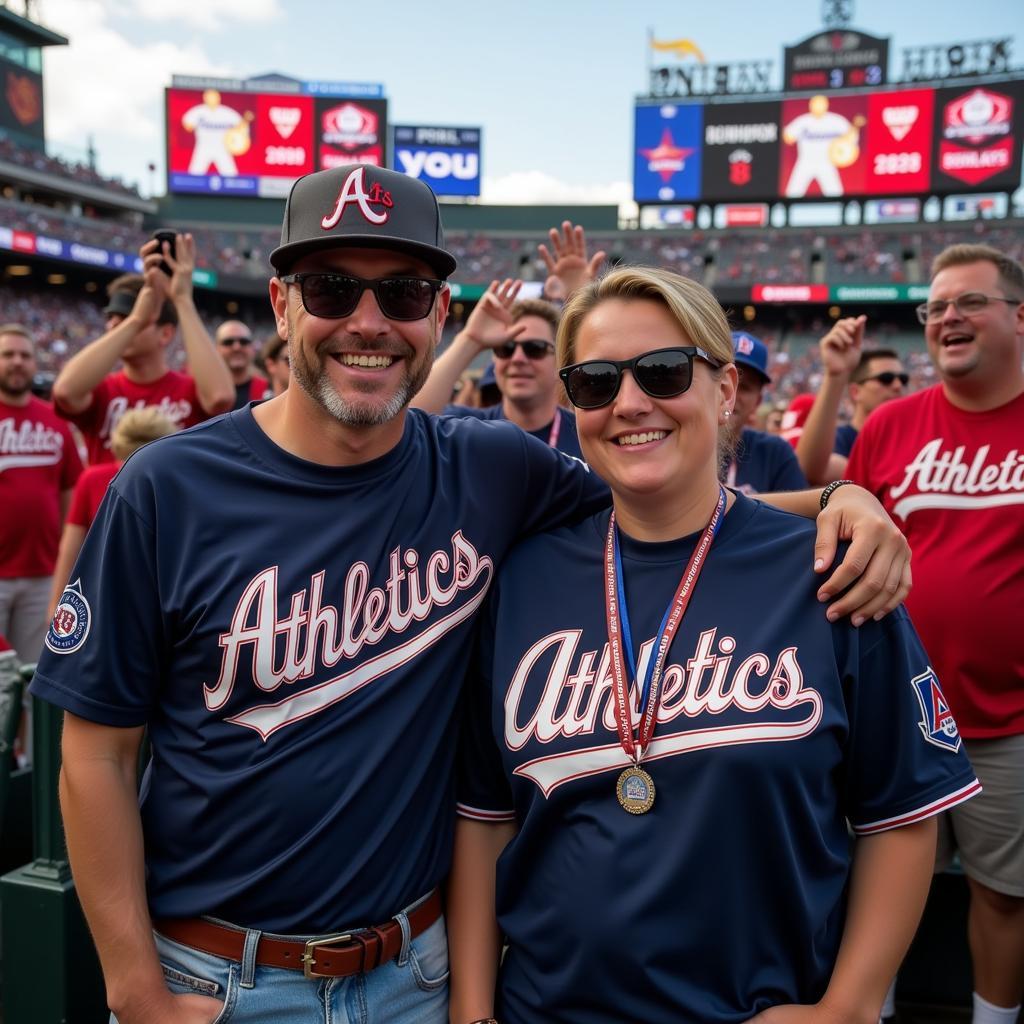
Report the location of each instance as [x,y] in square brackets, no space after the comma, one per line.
[208,15]
[528,188]
[104,87]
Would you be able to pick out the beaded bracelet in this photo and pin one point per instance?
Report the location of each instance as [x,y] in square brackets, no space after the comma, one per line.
[830,489]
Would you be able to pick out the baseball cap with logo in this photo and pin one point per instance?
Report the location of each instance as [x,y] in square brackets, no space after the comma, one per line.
[363,206]
[751,352]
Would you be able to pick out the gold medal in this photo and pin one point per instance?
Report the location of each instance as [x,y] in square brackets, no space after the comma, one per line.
[635,790]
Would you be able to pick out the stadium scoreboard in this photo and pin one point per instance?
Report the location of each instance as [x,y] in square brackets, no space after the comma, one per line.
[254,137]
[891,142]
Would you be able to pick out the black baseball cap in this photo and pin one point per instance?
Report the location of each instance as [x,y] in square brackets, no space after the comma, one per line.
[364,206]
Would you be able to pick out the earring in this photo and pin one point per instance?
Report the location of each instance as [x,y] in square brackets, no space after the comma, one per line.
[727,413]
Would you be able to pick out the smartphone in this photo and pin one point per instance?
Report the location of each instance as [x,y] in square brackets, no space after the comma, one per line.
[168,236]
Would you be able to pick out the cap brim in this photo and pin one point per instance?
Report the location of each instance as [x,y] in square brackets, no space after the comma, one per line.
[439,260]
[740,361]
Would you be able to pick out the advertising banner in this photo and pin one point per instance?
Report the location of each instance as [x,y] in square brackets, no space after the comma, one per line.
[822,146]
[837,59]
[741,215]
[667,152]
[21,100]
[789,293]
[447,159]
[351,131]
[741,150]
[979,137]
[899,141]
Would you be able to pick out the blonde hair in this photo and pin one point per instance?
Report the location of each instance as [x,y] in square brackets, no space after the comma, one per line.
[691,305]
[136,428]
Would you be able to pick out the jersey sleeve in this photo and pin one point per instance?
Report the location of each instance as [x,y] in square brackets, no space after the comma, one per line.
[786,472]
[90,418]
[905,760]
[482,789]
[858,467]
[78,513]
[106,645]
[557,488]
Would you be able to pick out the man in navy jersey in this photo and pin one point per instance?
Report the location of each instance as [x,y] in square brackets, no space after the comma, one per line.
[761,462]
[299,673]
[521,334]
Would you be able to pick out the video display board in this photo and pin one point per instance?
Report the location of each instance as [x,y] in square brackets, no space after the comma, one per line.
[447,159]
[891,142]
[21,100]
[251,142]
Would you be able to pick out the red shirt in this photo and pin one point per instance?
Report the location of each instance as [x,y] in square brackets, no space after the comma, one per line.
[38,462]
[174,394]
[953,481]
[89,491]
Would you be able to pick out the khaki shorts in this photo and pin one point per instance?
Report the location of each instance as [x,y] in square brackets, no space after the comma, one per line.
[988,830]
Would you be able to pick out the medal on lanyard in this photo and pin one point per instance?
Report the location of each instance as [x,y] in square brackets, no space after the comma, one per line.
[635,787]
[556,427]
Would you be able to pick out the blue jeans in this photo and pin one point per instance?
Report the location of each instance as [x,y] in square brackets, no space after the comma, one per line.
[410,989]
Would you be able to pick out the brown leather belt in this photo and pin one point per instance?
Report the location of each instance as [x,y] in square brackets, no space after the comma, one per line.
[333,956]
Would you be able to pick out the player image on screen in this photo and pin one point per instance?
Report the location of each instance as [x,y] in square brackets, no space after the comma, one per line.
[825,142]
[221,135]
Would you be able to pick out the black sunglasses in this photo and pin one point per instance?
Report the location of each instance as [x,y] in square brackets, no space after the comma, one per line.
[332,296]
[532,349]
[663,373]
[229,342]
[886,379]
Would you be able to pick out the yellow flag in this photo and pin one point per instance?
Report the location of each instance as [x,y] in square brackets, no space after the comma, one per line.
[680,47]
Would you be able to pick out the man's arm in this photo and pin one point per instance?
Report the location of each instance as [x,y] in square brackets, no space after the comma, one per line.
[83,372]
[840,353]
[104,834]
[877,564]
[488,325]
[891,874]
[213,379]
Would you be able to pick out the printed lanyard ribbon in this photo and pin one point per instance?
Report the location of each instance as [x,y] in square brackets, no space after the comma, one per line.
[619,635]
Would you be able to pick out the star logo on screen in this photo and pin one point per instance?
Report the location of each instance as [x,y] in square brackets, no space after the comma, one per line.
[666,158]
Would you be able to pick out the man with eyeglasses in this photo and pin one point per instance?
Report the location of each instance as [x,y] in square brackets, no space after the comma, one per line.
[143,313]
[234,343]
[948,463]
[521,335]
[870,377]
[284,596]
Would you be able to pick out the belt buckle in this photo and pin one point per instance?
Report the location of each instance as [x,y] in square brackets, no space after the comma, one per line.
[309,960]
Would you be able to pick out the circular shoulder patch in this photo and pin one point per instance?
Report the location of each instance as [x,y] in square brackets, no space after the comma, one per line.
[71,621]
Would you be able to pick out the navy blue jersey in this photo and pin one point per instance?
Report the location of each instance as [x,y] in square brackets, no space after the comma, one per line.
[296,636]
[775,728]
[845,436]
[567,441]
[764,463]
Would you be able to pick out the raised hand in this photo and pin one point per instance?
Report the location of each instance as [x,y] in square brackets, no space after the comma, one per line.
[490,323]
[842,346]
[567,259]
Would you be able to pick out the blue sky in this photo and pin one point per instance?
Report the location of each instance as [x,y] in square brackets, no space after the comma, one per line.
[552,83]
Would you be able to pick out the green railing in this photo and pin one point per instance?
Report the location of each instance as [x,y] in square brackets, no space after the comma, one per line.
[51,974]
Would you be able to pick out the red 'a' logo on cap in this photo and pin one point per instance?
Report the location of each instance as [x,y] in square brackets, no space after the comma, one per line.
[354,191]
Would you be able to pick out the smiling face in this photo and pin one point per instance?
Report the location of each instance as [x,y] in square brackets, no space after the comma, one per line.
[529,381]
[981,350]
[362,369]
[658,453]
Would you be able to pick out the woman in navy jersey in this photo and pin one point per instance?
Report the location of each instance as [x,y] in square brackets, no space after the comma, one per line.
[667,737]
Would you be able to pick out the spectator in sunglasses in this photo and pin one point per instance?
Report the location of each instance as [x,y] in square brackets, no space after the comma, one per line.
[869,377]
[521,335]
[234,343]
[670,803]
[274,357]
